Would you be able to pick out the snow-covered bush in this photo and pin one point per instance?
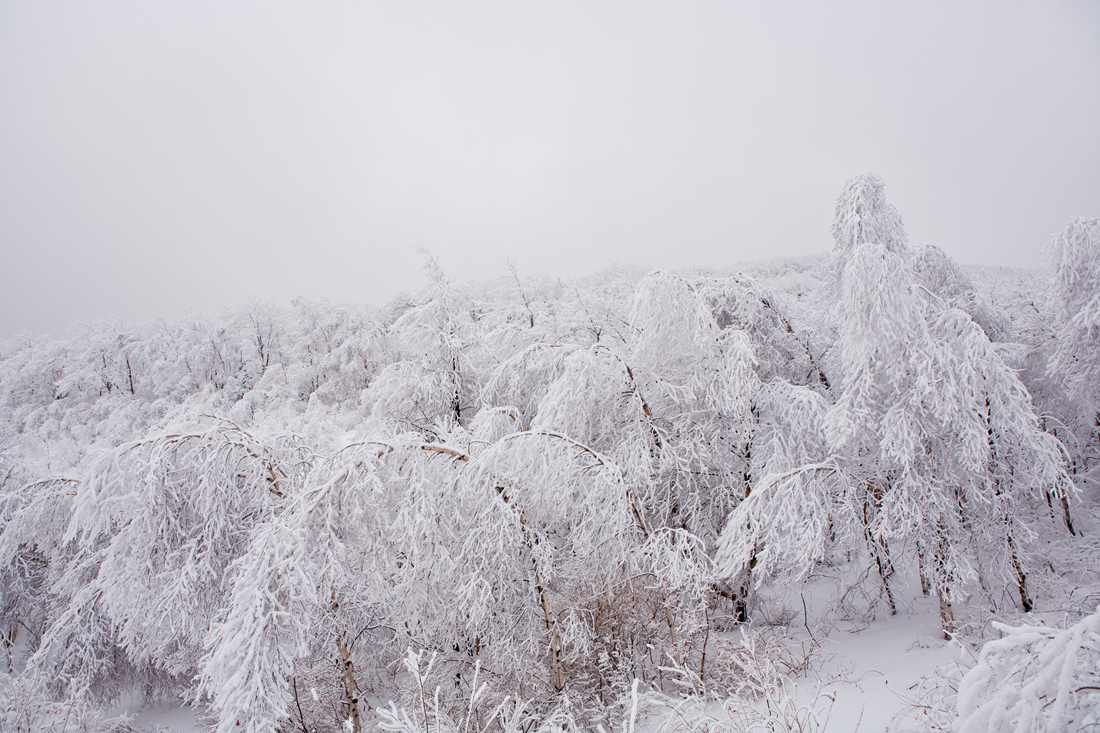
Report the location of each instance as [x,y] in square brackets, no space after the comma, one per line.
[26,707]
[477,710]
[1035,679]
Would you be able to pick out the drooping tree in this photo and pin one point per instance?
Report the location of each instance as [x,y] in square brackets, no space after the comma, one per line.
[738,395]
[155,524]
[1075,358]
[798,504]
[1076,253]
[933,440]
[944,279]
[432,381]
[931,417]
[863,216]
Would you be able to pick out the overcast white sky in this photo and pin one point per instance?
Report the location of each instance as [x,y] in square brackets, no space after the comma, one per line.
[156,157]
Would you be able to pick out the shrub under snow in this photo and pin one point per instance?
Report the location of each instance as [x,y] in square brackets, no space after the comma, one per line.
[1034,679]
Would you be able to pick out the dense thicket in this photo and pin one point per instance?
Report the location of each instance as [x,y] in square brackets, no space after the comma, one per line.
[552,487]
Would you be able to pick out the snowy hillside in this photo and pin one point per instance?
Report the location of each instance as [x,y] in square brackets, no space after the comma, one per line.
[853,490]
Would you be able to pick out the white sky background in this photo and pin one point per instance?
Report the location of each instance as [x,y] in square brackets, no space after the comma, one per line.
[157,157]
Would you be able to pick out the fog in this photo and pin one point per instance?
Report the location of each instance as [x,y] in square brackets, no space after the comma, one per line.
[159,158]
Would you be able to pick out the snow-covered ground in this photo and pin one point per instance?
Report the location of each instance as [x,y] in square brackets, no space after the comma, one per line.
[166,719]
[875,674]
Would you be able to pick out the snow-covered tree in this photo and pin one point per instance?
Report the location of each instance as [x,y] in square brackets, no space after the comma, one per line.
[806,494]
[434,380]
[1076,252]
[943,278]
[155,524]
[863,216]
[1075,358]
[700,385]
[933,442]
[933,428]
[715,359]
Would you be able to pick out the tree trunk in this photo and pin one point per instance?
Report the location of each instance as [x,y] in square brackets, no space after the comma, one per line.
[544,599]
[351,699]
[880,552]
[1065,513]
[1021,577]
[741,605]
[9,644]
[552,629]
[947,614]
[885,570]
[925,585]
[943,582]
